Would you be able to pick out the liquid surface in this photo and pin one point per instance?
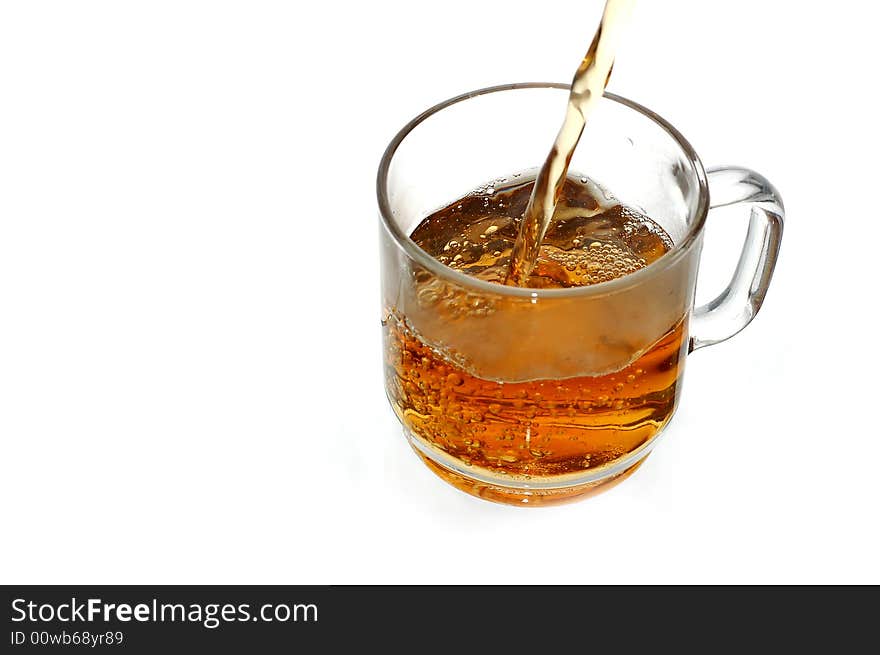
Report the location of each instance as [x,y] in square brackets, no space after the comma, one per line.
[590,239]
[587,88]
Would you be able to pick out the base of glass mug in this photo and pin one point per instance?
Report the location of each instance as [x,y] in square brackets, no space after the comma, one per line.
[531,494]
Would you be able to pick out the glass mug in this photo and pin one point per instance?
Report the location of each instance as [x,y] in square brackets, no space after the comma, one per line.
[536,396]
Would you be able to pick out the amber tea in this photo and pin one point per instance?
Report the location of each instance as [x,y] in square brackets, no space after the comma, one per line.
[531,428]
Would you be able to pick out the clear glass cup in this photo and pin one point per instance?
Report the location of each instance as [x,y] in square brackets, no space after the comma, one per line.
[536,396]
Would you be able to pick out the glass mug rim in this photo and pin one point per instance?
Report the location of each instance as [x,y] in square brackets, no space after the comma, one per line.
[416,253]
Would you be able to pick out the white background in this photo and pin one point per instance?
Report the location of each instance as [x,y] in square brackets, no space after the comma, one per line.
[190,364]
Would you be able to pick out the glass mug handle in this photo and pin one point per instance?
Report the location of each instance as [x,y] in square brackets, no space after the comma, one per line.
[737,305]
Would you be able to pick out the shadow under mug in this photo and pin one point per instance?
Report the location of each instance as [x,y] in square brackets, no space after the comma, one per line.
[536,396]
